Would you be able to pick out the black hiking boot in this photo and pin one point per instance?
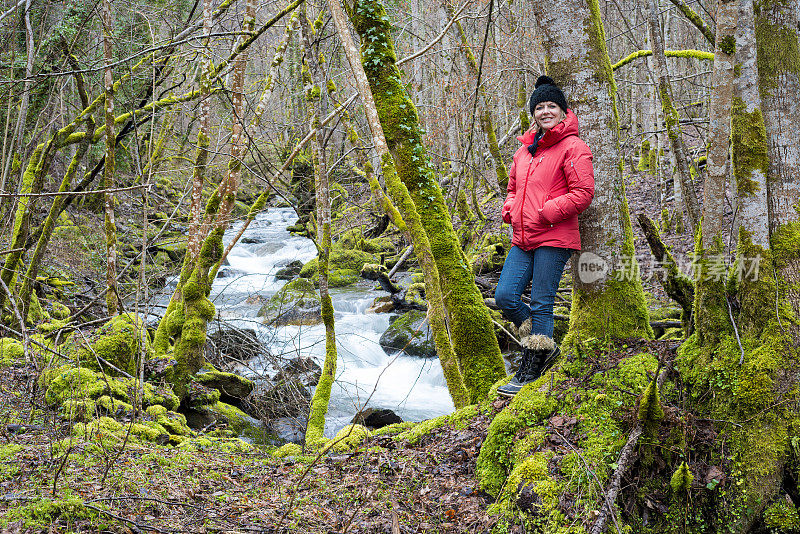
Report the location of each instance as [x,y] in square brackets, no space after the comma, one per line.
[526,374]
[538,356]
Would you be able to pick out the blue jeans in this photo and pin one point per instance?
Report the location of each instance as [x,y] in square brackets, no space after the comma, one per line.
[542,267]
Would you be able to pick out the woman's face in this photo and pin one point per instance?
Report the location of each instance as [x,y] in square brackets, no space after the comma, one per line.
[547,115]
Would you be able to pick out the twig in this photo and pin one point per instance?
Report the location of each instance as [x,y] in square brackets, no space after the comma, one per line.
[139,526]
[406,253]
[74,193]
[435,40]
[735,330]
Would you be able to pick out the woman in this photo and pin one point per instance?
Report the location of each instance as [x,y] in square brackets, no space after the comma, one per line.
[550,182]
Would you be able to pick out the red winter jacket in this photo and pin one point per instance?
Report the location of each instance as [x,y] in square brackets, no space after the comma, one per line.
[546,192]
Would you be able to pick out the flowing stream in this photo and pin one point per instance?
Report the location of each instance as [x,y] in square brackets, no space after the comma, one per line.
[366,376]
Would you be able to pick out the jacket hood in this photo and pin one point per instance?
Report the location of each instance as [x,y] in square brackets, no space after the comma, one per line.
[565,128]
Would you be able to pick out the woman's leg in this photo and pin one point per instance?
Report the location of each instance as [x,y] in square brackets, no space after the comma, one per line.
[548,266]
[514,278]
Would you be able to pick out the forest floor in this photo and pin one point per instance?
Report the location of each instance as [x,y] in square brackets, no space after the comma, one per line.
[388,485]
[385,486]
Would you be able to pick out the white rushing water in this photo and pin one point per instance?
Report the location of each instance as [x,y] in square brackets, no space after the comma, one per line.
[366,376]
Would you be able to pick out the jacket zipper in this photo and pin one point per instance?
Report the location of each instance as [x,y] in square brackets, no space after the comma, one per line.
[522,204]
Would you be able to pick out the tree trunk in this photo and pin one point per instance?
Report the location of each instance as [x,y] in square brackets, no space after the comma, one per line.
[400,194]
[711,308]
[579,61]
[316,104]
[671,119]
[470,324]
[110,163]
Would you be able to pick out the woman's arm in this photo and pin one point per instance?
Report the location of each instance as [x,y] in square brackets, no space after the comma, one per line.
[580,187]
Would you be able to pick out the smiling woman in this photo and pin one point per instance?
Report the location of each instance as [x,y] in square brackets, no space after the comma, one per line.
[551,181]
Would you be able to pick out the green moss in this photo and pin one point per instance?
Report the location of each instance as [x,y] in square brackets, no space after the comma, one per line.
[697,54]
[11,351]
[350,437]
[44,513]
[778,50]
[8,466]
[749,141]
[342,260]
[75,382]
[119,342]
[681,481]
[112,405]
[394,429]
[644,156]
[728,45]
[591,312]
[289,449]
[782,517]
[460,418]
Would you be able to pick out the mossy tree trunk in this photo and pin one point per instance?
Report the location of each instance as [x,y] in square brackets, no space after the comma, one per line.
[610,304]
[471,328]
[402,198]
[711,308]
[110,162]
[189,318]
[759,394]
[750,168]
[313,75]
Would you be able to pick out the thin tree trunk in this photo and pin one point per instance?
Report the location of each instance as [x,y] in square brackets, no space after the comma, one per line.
[316,104]
[110,163]
[711,315]
[671,119]
[400,194]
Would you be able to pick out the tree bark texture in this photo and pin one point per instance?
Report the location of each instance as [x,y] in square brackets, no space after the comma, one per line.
[112,303]
[711,313]
[579,61]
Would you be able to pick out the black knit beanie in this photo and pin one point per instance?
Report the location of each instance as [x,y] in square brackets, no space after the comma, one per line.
[547,91]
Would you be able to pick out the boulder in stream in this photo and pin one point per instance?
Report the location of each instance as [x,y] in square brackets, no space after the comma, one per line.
[289,271]
[296,303]
[376,418]
[411,334]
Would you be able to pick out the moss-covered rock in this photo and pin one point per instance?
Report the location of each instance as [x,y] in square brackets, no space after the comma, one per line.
[235,419]
[411,334]
[119,342]
[345,266]
[67,383]
[350,437]
[289,449]
[198,395]
[528,476]
[296,303]
[228,384]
